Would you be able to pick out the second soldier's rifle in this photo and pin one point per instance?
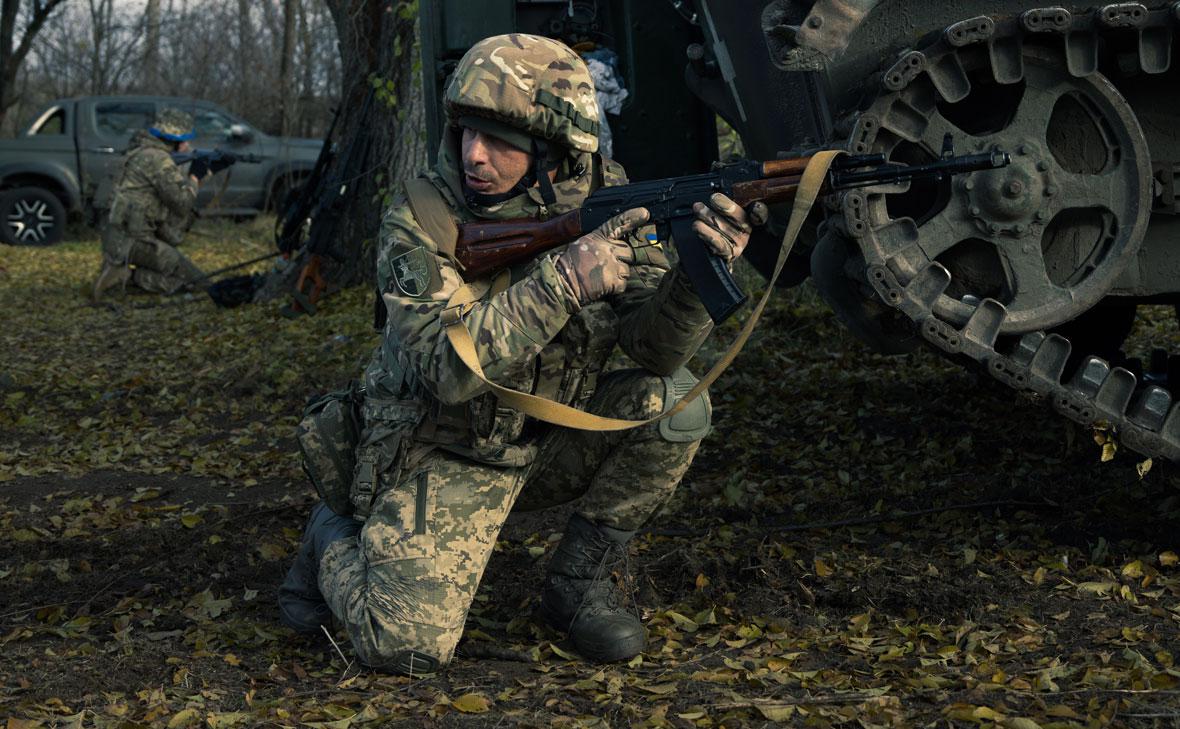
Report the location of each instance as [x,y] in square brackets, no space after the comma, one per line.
[214,160]
[487,246]
[322,202]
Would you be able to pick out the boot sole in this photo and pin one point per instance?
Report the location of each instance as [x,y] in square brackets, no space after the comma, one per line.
[612,652]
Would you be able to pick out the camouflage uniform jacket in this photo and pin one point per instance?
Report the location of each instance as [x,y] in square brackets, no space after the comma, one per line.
[152,199]
[533,336]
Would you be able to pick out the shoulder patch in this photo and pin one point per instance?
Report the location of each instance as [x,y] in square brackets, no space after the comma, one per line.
[416,272]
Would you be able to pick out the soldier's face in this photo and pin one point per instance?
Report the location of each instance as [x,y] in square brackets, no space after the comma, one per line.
[490,165]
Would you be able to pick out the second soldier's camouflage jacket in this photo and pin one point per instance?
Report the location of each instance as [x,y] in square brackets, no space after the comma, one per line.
[152,198]
[532,337]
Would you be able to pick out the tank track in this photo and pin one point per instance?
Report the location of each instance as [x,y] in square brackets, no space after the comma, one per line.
[1143,418]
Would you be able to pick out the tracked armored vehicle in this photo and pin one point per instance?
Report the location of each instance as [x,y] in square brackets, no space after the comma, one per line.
[1031,272]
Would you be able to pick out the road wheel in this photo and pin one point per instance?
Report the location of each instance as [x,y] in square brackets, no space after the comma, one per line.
[31,216]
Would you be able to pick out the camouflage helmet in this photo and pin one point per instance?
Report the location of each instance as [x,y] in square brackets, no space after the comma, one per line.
[173,125]
[528,83]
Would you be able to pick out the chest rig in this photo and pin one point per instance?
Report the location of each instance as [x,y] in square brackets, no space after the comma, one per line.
[565,371]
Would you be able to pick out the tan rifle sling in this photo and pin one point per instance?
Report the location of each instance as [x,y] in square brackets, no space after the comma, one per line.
[433,214]
[566,416]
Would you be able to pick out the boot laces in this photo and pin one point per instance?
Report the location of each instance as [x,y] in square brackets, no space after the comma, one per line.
[613,568]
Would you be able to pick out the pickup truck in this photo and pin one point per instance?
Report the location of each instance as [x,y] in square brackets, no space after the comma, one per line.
[65,161]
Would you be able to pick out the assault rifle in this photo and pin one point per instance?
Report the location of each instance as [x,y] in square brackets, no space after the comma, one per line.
[215,159]
[486,246]
[322,201]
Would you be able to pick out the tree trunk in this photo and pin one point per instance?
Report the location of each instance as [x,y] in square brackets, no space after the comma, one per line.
[12,53]
[98,28]
[306,89]
[151,47]
[286,68]
[245,51]
[378,44]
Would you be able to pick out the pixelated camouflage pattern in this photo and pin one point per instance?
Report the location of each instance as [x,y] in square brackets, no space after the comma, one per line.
[150,209]
[328,435]
[531,83]
[173,122]
[462,457]
[658,320]
[411,580]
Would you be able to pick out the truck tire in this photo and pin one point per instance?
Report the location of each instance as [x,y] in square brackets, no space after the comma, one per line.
[31,216]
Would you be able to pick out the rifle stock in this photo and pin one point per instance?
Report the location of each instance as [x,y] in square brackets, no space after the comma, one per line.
[488,246]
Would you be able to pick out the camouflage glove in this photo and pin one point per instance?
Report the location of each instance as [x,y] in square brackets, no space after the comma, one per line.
[595,265]
[725,227]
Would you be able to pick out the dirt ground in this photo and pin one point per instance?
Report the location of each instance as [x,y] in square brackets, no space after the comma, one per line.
[862,541]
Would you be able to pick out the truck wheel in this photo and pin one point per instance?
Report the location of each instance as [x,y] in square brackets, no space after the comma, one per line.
[31,216]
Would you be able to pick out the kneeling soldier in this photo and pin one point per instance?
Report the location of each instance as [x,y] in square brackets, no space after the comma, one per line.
[439,461]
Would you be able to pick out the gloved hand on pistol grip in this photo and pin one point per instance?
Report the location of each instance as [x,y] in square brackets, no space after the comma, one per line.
[221,161]
[725,227]
[199,167]
[596,265]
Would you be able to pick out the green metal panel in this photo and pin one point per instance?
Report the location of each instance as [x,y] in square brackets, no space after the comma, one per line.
[663,130]
[449,28]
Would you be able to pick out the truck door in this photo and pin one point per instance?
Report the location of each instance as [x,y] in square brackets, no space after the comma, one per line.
[104,131]
[237,187]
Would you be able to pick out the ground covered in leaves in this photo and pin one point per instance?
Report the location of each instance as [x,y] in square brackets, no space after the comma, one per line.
[863,541]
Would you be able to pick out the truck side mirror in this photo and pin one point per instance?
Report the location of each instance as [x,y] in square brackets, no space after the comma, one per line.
[240,133]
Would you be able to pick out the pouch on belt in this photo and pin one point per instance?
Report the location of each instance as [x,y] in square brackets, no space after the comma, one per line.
[328,435]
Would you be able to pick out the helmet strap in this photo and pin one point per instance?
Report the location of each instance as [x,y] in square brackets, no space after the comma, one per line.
[541,167]
[537,175]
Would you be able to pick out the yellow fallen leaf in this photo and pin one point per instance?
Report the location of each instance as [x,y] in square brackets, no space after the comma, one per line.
[1168,559]
[191,520]
[659,689]
[183,718]
[822,569]
[472,703]
[682,622]
[1061,711]
[231,659]
[226,719]
[562,654]
[776,712]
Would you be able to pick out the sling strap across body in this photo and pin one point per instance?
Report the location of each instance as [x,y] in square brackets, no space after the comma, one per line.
[441,227]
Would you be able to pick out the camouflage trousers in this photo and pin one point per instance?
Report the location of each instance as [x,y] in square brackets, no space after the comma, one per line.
[408,582]
[158,266]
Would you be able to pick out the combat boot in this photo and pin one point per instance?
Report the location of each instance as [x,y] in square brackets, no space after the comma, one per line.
[581,597]
[110,277]
[301,604]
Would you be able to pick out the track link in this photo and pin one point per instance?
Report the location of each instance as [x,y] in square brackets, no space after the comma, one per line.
[1144,418]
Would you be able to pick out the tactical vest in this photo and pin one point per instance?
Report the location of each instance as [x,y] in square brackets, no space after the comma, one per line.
[566,370]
